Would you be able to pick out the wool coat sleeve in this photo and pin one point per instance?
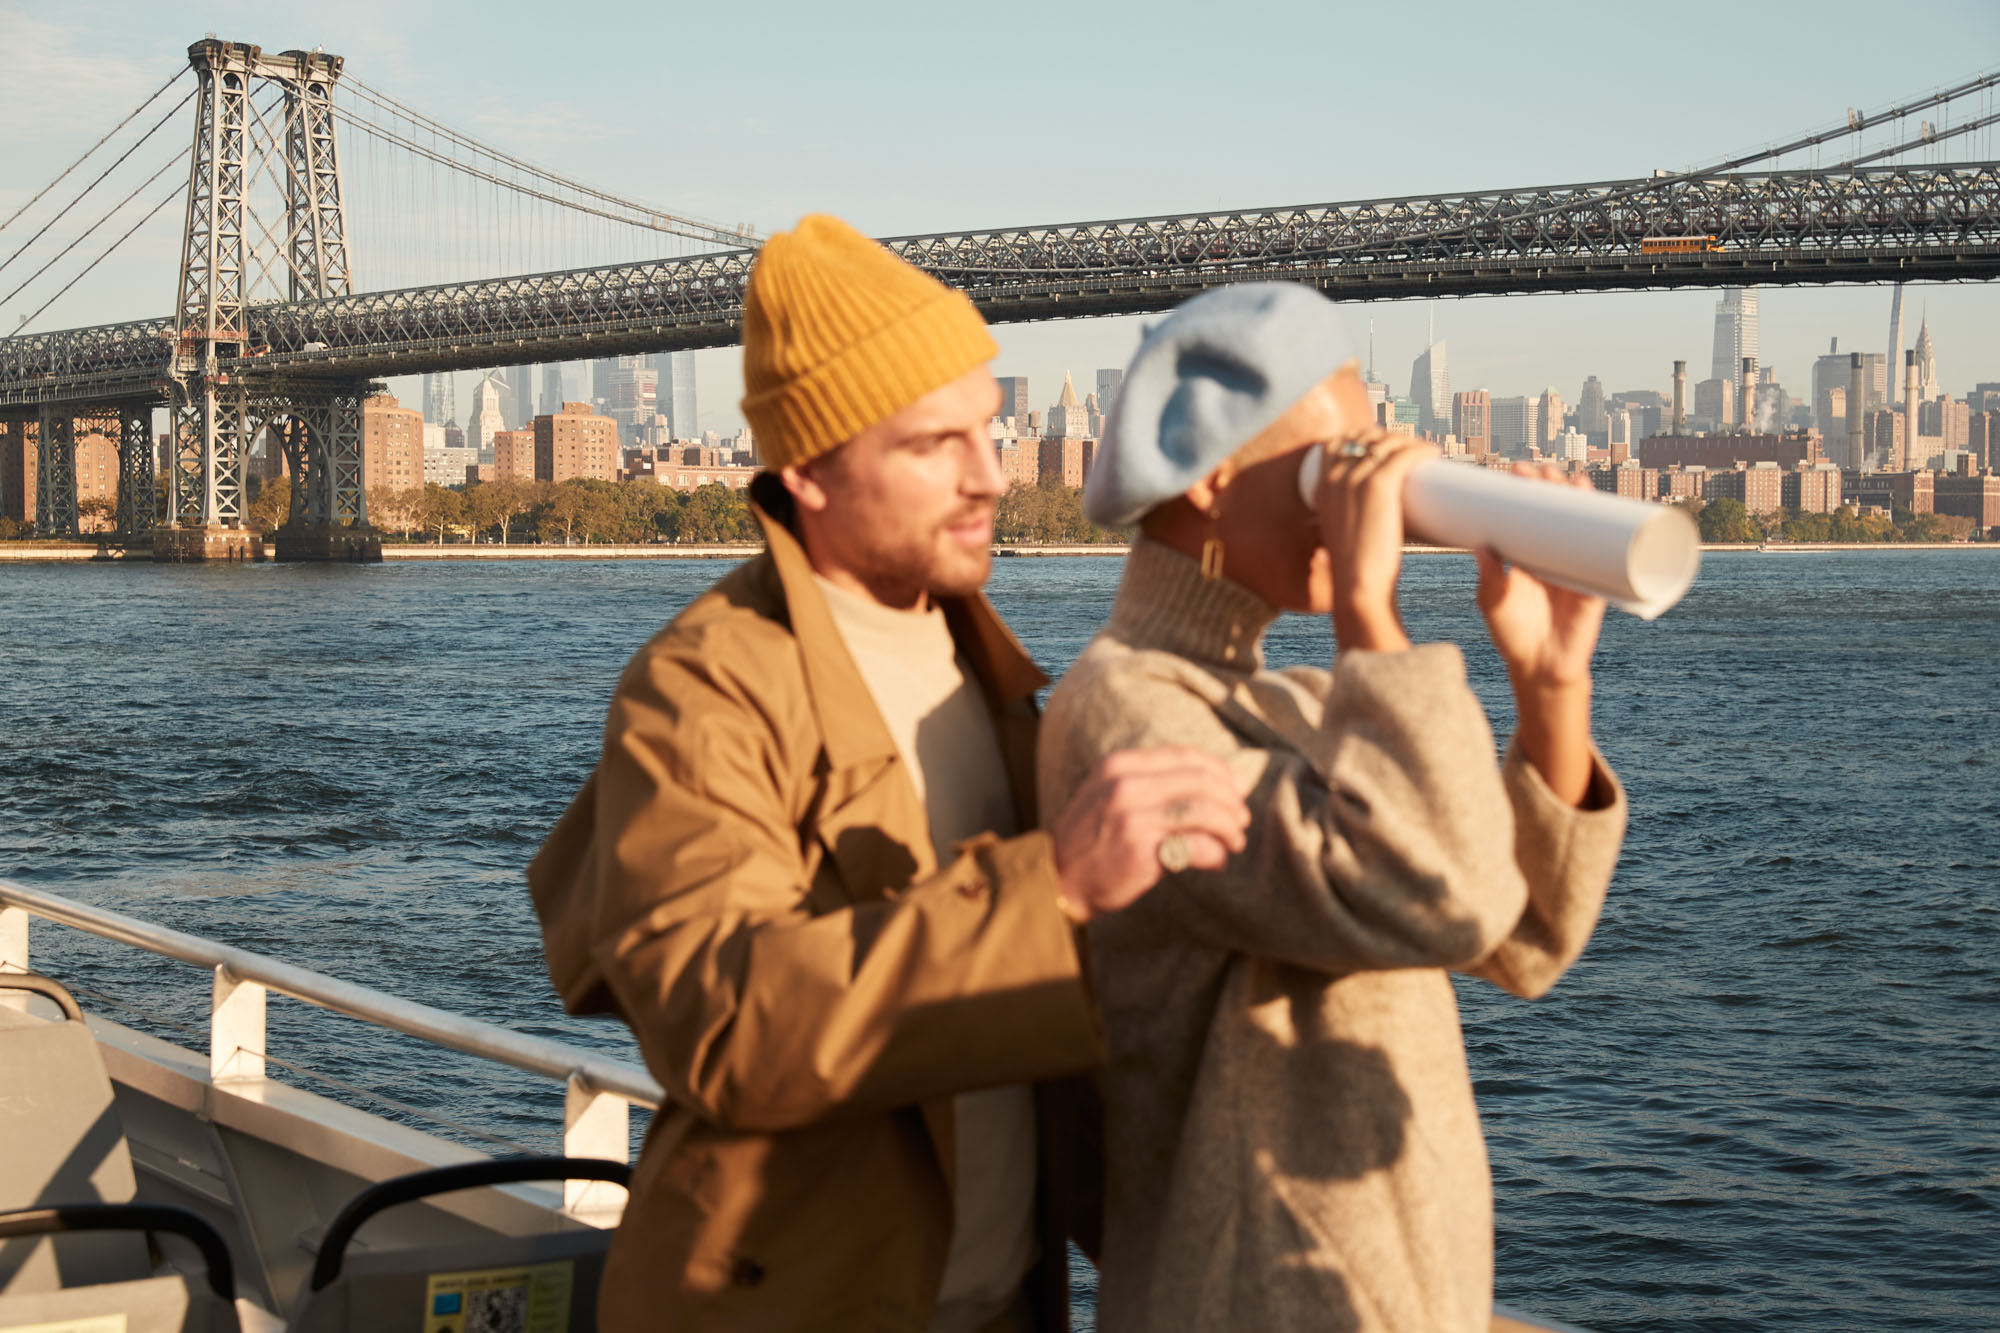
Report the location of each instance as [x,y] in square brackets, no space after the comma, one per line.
[689,889]
[1394,842]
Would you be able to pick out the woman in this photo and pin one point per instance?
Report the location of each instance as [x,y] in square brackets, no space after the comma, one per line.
[1291,1140]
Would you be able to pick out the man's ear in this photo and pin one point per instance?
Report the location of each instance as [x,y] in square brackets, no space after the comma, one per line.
[806,492]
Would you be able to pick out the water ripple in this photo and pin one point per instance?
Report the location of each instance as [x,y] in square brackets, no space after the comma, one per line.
[1767,1098]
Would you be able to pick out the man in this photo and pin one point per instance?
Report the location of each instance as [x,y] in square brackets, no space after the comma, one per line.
[804,871]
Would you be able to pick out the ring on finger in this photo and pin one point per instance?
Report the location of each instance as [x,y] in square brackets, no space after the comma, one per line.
[1353,449]
[1173,854]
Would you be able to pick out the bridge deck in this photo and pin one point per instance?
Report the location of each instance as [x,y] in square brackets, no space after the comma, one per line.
[1887,224]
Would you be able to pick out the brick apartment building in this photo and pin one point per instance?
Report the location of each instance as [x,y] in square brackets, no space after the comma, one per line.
[514,453]
[687,467]
[1472,421]
[576,442]
[1065,462]
[1721,451]
[392,445]
[1020,462]
[1914,491]
[1813,490]
[1628,479]
[1760,486]
[1976,498]
[96,468]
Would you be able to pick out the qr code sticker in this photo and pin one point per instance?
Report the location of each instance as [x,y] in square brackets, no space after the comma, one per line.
[497,1310]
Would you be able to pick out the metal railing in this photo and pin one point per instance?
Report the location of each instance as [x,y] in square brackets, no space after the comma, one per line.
[600,1091]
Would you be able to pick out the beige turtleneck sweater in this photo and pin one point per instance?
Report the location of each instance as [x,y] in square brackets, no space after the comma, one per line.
[944,732]
[1290,1132]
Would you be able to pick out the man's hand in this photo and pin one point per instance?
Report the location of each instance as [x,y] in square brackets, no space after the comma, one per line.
[1546,635]
[1108,837]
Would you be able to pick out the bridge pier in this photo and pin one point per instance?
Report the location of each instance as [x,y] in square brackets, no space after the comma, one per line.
[186,546]
[137,491]
[55,476]
[353,545]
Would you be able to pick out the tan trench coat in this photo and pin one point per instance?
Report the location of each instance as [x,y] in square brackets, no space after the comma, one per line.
[748,881]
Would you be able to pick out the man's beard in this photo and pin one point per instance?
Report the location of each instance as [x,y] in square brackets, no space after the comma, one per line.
[937,565]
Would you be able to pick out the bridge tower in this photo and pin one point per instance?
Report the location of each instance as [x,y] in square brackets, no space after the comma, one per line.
[266,218]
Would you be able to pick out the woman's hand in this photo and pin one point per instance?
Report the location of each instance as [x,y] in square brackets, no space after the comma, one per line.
[1546,635]
[1360,507]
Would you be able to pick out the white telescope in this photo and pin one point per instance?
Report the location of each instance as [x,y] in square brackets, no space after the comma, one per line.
[1640,557]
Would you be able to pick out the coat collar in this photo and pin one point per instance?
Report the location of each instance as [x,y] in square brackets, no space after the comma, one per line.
[849,721]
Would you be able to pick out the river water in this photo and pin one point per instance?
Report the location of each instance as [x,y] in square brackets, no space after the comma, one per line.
[1767,1098]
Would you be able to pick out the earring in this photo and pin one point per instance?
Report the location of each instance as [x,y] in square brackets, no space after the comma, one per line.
[1211,549]
[1211,559]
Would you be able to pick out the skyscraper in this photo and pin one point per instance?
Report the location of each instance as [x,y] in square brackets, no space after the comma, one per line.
[1014,399]
[634,397]
[1107,389]
[1735,332]
[1894,364]
[510,386]
[485,420]
[677,402]
[1829,378]
[1472,421]
[1430,387]
[1590,416]
[1550,411]
[1515,425]
[439,405]
[1927,380]
[1068,419]
[552,389]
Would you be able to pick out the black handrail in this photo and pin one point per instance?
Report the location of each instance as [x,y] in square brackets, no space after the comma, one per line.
[47,987]
[131,1217]
[443,1180]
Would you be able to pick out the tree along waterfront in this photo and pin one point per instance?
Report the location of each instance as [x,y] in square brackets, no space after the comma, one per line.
[1727,520]
[635,512]
[511,510]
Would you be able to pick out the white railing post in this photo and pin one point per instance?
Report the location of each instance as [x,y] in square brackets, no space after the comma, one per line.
[14,952]
[595,1124]
[235,1029]
[13,939]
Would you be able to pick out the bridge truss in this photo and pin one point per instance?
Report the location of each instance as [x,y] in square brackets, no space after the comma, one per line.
[1885,224]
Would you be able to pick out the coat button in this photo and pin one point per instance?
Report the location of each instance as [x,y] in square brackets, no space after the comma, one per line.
[972,888]
[747,1273]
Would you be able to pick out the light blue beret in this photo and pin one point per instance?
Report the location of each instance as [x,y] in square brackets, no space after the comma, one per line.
[1204,382]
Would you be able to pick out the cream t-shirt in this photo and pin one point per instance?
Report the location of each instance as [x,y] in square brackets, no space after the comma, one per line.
[944,732]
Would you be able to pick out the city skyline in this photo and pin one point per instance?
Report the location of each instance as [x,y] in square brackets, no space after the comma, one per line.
[1788,335]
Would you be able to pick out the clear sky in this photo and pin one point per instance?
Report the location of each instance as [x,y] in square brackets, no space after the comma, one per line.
[918,117]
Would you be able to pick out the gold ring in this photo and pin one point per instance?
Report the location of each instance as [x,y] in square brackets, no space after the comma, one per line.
[1173,854]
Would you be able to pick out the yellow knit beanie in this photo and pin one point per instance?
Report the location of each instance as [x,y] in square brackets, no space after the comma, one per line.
[838,334]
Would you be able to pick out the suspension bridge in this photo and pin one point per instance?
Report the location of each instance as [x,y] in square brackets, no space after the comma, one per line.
[271,333]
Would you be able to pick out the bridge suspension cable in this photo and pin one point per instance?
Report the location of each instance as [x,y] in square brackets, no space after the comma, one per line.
[1855,123]
[79,197]
[176,192]
[61,175]
[621,209]
[1663,180]
[89,231]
